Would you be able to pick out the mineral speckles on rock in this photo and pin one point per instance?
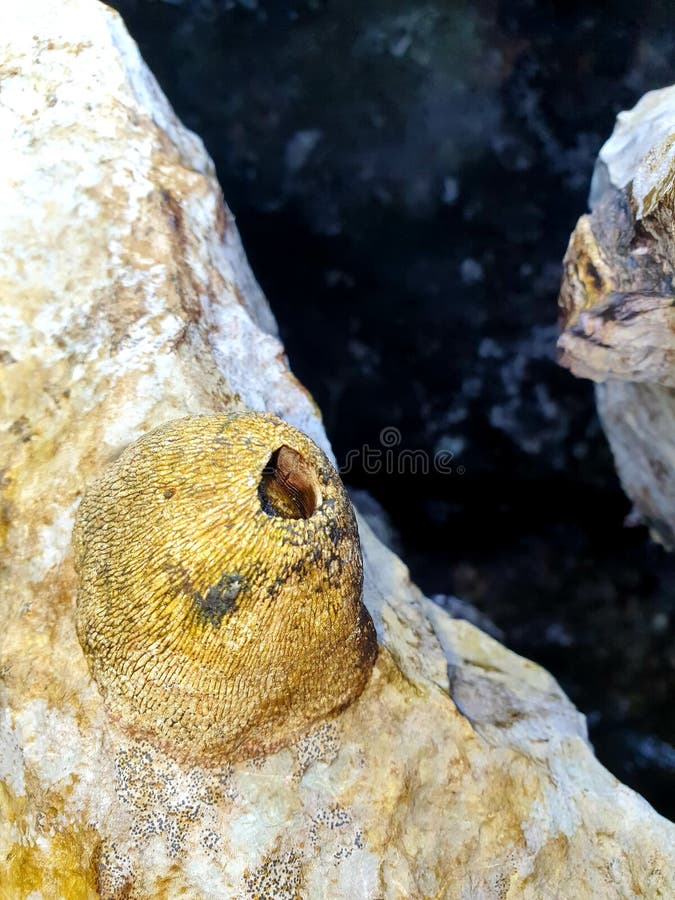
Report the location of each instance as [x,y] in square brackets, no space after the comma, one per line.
[165,800]
[278,877]
[320,745]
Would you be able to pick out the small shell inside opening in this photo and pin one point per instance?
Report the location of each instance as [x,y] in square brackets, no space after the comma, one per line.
[289,486]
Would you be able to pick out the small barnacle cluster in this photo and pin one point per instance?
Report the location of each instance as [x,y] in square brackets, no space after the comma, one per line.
[278,877]
[220,576]
[344,834]
[164,800]
[320,745]
[114,872]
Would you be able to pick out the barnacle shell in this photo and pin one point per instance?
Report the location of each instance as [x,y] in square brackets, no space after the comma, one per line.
[219,603]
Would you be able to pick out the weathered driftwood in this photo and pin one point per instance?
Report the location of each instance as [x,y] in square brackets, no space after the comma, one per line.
[617,303]
[126,301]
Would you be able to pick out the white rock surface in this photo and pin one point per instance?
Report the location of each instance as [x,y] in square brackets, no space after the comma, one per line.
[641,151]
[126,300]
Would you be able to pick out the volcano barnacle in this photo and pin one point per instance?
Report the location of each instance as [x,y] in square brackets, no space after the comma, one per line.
[220,575]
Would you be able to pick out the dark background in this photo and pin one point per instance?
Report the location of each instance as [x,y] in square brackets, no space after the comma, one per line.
[405,177]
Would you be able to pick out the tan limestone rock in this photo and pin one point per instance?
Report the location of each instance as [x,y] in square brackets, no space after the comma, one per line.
[126,301]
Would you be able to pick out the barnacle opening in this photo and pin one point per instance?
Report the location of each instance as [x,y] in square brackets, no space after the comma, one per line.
[289,487]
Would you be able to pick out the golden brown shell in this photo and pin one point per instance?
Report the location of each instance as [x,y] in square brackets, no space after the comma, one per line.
[219,602]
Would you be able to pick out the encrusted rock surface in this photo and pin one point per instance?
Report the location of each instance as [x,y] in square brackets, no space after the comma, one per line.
[617,303]
[463,771]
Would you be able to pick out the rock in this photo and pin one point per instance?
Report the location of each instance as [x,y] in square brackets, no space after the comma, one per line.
[127,301]
[461,609]
[618,305]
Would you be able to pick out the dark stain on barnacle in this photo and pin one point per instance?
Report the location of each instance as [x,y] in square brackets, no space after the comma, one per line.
[220,598]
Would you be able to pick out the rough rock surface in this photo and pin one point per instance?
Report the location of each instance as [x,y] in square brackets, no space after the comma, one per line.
[463,771]
[425,114]
[617,303]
